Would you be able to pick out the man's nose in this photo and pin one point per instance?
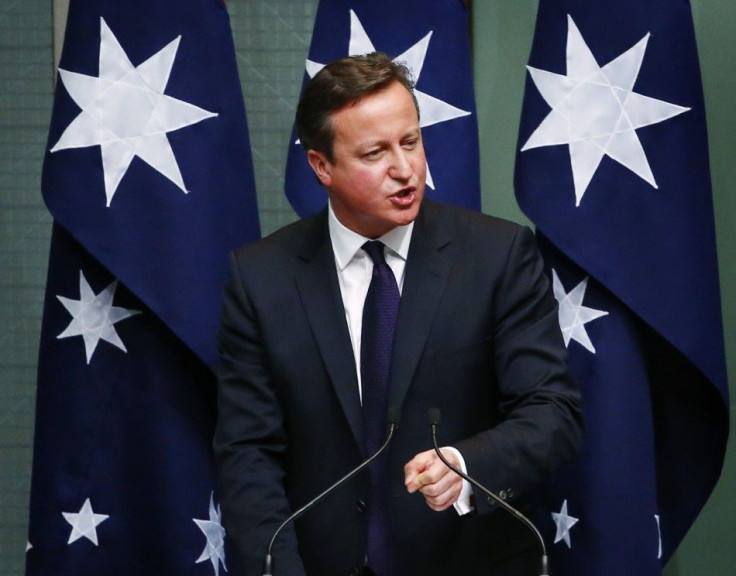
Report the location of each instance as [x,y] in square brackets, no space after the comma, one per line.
[401,168]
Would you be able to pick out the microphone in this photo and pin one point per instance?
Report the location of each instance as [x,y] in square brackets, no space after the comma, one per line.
[393,424]
[434,417]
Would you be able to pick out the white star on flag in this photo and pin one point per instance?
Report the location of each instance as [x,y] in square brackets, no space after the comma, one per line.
[564,523]
[126,112]
[573,316]
[596,112]
[432,110]
[94,317]
[214,550]
[84,523]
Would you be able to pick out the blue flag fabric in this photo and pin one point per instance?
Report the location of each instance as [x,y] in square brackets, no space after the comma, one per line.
[613,170]
[431,38]
[148,176]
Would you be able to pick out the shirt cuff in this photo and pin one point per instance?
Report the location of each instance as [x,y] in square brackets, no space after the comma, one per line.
[462,505]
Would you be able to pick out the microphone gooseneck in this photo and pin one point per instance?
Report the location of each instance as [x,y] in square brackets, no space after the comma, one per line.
[434,418]
[393,423]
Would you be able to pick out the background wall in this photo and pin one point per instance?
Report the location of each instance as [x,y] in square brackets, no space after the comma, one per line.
[25,103]
[272,38]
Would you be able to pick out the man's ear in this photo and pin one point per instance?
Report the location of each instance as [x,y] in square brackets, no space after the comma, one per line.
[321,166]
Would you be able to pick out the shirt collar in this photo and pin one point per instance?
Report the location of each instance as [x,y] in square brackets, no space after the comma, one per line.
[345,242]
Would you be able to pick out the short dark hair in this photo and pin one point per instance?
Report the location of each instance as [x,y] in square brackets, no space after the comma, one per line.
[343,83]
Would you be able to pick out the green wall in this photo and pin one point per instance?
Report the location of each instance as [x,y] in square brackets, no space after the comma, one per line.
[502,35]
[26,84]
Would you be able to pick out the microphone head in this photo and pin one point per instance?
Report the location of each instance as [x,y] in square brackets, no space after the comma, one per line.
[433,416]
[394,416]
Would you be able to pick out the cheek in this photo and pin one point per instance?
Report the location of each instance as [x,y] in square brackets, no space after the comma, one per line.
[366,183]
[420,165]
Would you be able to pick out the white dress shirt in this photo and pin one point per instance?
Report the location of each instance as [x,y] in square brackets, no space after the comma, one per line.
[354,272]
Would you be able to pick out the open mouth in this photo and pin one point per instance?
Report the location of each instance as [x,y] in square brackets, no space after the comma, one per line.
[405,193]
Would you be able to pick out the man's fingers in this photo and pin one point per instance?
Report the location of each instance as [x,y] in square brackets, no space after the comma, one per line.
[427,474]
[445,498]
[415,469]
[435,480]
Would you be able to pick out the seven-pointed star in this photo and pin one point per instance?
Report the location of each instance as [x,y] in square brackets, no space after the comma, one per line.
[214,550]
[84,523]
[126,112]
[596,112]
[573,316]
[564,522]
[433,110]
[94,317]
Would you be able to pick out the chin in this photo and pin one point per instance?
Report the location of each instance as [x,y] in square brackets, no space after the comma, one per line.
[407,218]
[409,215]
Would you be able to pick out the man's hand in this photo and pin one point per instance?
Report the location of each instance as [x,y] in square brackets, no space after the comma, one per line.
[429,475]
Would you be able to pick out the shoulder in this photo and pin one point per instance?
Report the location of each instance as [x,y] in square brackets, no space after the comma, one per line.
[285,244]
[468,228]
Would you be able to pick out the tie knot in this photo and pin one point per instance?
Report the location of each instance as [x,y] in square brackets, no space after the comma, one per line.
[374,249]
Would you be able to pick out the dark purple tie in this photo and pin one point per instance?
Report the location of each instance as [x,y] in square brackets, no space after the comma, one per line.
[377,341]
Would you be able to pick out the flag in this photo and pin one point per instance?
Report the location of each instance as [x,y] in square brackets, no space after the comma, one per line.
[148,176]
[612,169]
[431,38]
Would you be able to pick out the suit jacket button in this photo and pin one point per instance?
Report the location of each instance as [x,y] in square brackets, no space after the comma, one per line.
[502,494]
[491,501]
[510,492]
[361,506]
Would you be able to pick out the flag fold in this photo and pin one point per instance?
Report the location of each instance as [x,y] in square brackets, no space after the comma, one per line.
[148,176]
[613,170]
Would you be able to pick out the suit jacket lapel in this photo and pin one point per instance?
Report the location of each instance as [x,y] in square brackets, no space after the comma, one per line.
[427,268]
[319,289]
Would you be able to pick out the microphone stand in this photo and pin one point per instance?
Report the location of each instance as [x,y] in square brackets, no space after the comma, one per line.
[434,417]
[268,562]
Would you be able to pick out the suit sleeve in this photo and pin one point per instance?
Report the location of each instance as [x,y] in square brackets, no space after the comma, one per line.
[541,427]
[250,441]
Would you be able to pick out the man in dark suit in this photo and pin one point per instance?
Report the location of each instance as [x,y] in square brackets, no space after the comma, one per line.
[476,336]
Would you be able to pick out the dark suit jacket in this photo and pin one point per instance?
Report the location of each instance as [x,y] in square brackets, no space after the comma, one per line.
[477,337]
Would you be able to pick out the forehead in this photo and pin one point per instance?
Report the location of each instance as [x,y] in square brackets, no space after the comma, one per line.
[386,113]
